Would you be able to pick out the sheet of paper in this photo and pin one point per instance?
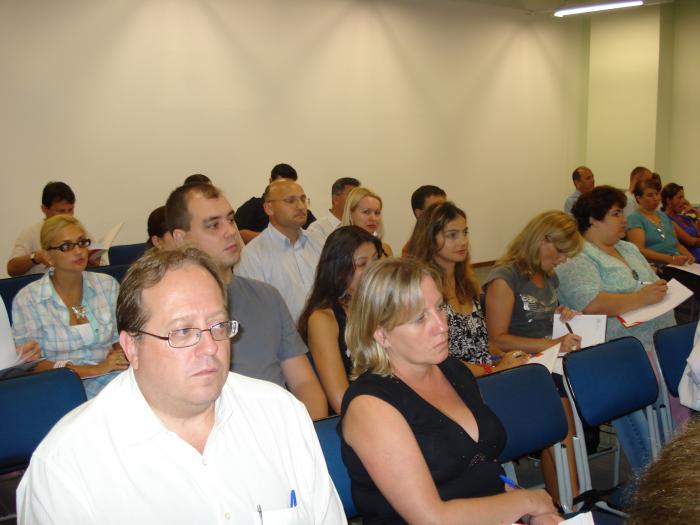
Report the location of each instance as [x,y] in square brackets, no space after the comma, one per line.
[548,357]
[676,294]
[98,250]
[690,268]
[591,328]
[580,519]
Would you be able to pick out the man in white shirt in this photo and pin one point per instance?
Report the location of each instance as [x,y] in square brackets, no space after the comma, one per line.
[178,438]
[268,345]
[284,255]
[324,226]
[584,181]
[637,175]
[27,255]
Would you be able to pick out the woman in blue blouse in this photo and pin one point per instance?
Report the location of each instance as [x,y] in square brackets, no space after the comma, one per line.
[71,312]
[611,277]
[652,231]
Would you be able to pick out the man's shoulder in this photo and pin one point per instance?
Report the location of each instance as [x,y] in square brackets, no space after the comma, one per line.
[246,285]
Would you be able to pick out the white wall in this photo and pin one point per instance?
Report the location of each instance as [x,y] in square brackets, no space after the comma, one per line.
[123,99]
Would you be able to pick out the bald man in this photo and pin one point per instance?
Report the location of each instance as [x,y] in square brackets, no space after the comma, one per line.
[584,181]
[284,255]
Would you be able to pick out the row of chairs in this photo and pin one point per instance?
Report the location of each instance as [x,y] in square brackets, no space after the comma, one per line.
[524,398]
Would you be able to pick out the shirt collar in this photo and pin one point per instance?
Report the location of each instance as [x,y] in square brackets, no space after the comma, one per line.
[48,292]
[282,240]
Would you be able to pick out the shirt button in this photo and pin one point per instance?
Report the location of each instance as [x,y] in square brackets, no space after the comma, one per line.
[204,461]
[227,515]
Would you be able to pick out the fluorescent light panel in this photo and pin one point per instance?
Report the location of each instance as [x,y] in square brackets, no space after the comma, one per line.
[597,7]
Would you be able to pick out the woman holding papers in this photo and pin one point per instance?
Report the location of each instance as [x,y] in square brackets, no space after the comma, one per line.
[612,277]
[652,231]
[71,312]
[674,204]
[521,300]
[419,443]
[440,239]
[348,252]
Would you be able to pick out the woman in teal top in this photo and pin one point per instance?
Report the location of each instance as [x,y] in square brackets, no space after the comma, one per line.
[652,231]
[611,277]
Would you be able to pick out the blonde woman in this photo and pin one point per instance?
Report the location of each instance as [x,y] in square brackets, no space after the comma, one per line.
[419,443]
[521,300]
[363,208]
[71,312]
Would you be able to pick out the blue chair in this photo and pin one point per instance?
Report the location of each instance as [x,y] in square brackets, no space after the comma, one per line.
[10,286]
[115,270]
[605,382]
[327,431]
[30,406]
[673,346]
[527,402]
[126,253]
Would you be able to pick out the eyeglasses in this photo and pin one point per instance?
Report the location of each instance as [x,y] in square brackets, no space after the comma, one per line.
[293,199]
[184,337]
[69,245]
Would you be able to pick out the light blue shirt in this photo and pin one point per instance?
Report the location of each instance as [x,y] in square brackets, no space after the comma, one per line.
[39,313]
[570,201]
[583,277]
[660,238]
[271,258]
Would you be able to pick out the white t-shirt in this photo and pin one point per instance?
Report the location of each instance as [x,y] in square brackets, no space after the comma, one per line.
[28,241]
[111,461]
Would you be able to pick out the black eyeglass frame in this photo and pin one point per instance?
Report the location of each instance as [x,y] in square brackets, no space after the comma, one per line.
[68,246]
[232,333]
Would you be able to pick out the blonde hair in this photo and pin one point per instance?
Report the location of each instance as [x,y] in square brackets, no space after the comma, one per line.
[556,227]
[353,200]
[53,225]
[389,295]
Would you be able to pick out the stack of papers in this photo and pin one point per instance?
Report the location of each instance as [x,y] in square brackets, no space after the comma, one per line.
[591,328]
[676,294]
[690,268]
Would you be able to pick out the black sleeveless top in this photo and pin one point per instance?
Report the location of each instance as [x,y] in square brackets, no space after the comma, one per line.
[460,467]
[341,319]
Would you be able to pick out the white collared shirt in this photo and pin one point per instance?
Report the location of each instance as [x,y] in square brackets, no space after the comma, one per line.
[271,258]
[112,461]
[324,226]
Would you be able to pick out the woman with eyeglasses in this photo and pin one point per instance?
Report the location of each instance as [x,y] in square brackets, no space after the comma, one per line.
[521,300]
[611,277]
[652,231]
[71,312]
[363,208]
[440,240]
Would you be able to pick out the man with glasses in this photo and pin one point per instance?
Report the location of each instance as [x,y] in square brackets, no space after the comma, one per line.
[251,217]
[178,438]
[269,346]
[284,255]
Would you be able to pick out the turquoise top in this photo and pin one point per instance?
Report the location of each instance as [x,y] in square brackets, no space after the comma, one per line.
[658,238]
[594,271]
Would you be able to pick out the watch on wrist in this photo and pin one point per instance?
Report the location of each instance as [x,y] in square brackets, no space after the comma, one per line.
[32,256]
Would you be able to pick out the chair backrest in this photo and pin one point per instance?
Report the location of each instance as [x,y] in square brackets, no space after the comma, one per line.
[526,401]
[115,270]
[10,286]
[126,253]
[327,431]
[673,346]
[30,405]
[610,380]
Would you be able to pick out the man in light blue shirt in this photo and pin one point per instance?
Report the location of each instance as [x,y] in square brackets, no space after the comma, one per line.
[284,255]
[584,181]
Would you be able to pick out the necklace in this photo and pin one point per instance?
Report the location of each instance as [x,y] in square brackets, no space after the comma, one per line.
[80,312]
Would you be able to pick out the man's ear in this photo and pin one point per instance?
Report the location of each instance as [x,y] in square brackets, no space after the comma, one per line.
[179,235]
[130,349]
[45,210]
[267,207]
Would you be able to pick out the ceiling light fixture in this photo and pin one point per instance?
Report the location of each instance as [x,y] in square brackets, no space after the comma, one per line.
[597,7]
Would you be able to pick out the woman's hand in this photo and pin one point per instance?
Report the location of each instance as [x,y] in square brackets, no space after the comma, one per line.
[115,360]
[681,260]
[546,519]
[29,351]
[511,360]
[543,511]
[569,343]
[566,314]
[654,292]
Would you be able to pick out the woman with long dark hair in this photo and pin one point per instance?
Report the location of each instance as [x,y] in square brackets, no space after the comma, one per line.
[348,252]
